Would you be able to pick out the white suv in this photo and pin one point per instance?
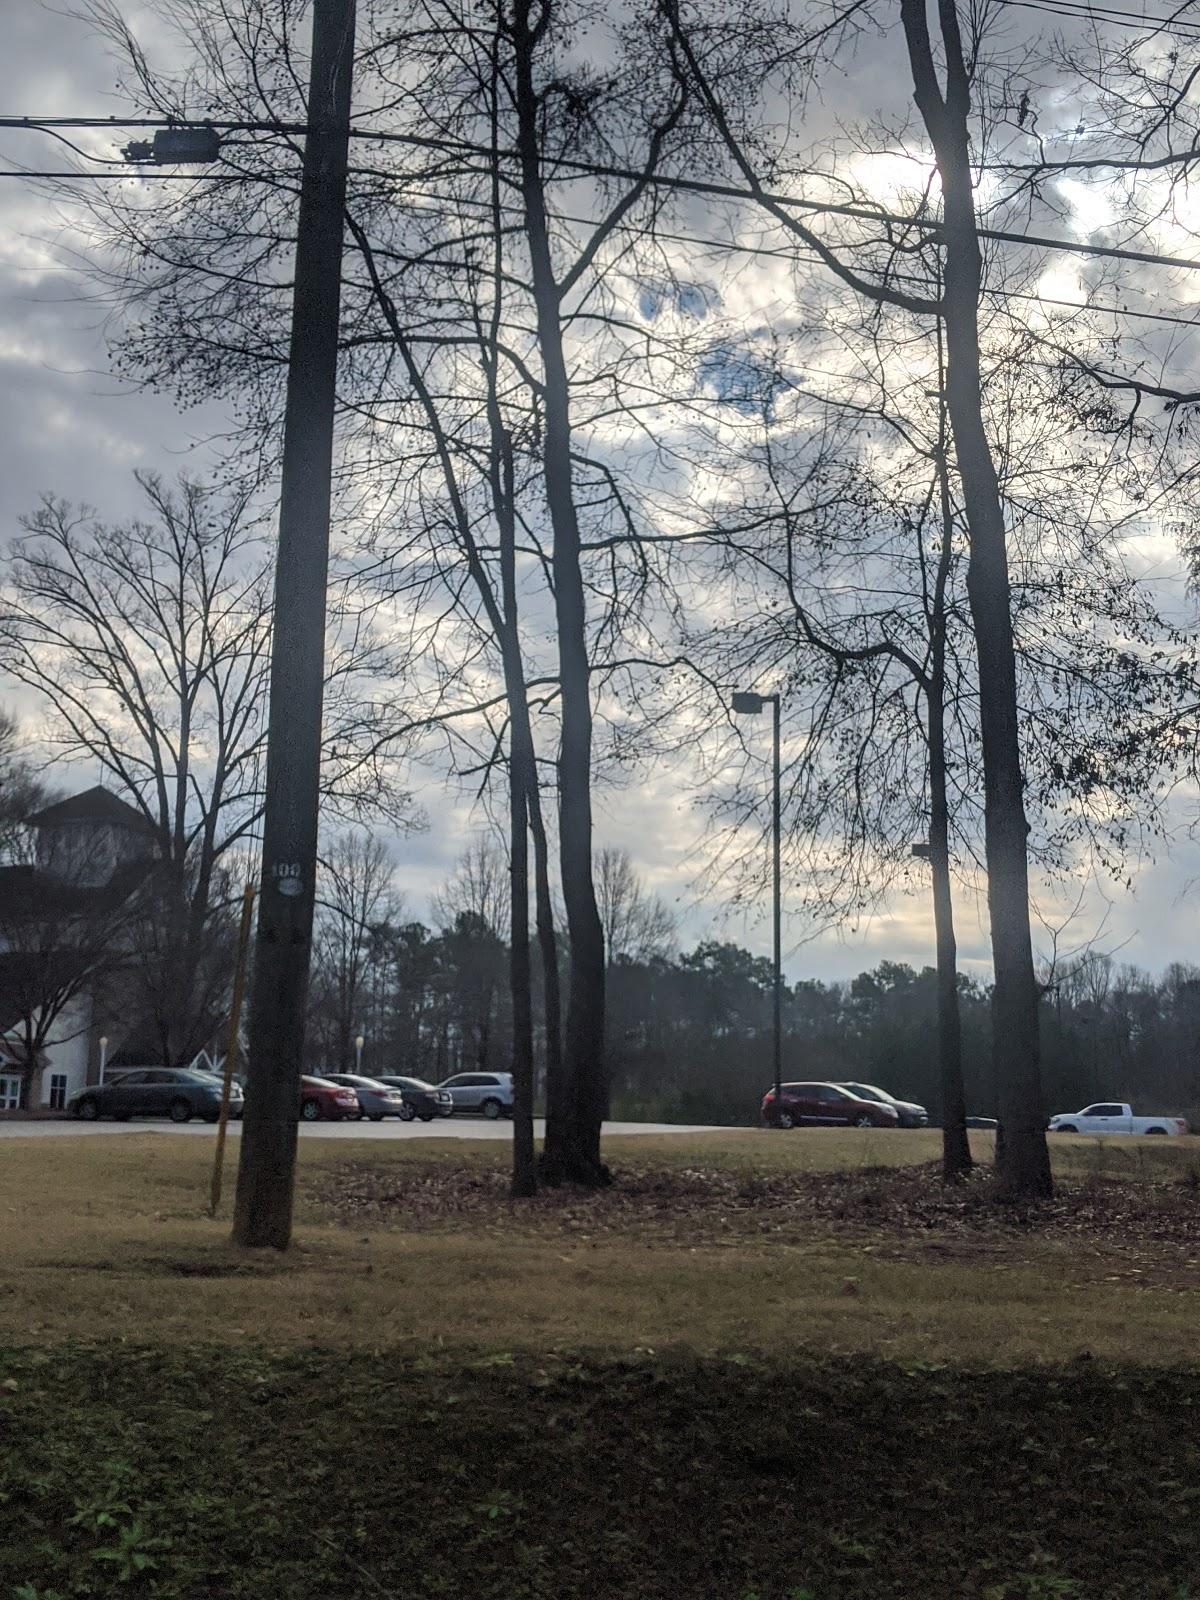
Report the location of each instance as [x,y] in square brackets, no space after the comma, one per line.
[488,1093]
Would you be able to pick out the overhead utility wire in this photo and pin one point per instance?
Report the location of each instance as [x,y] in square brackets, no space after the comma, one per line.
[1113,15]
[776,252]
[695,186]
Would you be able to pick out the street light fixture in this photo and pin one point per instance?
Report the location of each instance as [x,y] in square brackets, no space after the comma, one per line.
[176,147]
[746,703]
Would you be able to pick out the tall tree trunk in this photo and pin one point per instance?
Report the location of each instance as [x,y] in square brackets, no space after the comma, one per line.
[504,618]
[524,1162]
[553,1168]
[1026,1166]
[584,1055]
[956,1147]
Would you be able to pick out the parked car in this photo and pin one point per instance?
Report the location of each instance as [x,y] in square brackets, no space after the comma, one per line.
[826,1105]
[376,1099]
[910,1113]
[320,1099]
[489,1093]
[982,1122]
[180,1093]
[1112,1116]
[421,1099]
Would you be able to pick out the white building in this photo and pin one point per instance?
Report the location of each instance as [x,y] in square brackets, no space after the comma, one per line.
[90,842]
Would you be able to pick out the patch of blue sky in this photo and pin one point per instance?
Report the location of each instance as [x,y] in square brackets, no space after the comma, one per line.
[692,300]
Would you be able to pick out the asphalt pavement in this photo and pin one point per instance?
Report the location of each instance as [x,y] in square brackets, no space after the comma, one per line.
[442,1128]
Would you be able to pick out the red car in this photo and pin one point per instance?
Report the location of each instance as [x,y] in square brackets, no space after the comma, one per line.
[825,1105]
[320,1099]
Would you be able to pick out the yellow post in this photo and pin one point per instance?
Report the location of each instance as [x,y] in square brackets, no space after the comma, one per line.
[235,1018]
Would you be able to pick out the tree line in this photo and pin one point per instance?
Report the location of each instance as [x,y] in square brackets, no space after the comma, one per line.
[689,1036]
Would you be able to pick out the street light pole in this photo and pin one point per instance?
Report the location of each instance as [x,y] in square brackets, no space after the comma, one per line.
[358,1047]
[266,1170]
[778,912]
[746,703]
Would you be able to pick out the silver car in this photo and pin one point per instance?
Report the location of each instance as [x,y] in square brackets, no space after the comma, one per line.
[488,1094]
[377,1100]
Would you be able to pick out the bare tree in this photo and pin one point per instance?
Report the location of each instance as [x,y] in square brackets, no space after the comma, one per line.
[147,643]
[869,255]
[478,888]
[59,941]
[22,792]
[637,925]
[355,899]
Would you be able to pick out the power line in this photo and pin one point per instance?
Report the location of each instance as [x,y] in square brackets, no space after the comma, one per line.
[693,186]
[1077,10]
[780,253]
[134,171]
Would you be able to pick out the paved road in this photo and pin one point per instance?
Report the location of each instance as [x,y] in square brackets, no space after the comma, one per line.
[443,1128]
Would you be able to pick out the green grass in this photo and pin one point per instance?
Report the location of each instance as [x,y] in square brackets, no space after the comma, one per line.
[233,1475]
[764,1366]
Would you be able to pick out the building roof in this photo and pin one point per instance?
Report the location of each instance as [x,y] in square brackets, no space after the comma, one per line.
[93,805]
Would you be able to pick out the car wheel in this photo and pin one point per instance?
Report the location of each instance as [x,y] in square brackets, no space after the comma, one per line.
[1066,1127]
[88,1109]
[492,1109]
[310,1111]
[1156,1130]
[406,1112]
[181,1111]
[864,1121]
[785,1119]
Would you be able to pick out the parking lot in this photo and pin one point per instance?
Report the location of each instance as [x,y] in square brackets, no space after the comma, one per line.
[443,1128]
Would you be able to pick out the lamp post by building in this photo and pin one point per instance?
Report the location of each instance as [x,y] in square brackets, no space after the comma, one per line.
[103,1055]
[358,1044]
[748,704]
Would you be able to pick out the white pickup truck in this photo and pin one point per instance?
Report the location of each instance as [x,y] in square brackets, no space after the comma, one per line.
[1110,1117]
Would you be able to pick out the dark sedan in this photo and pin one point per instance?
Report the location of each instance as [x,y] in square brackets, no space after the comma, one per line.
[180,1093]
[910,1113]
[421,1099]
[376,1099]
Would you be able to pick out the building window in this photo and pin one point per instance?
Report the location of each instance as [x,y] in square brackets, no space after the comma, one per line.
[58,1091]
[10,1094]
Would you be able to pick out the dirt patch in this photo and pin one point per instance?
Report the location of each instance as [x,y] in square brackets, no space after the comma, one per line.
[135,1266]
[711,1200]
[899,1212]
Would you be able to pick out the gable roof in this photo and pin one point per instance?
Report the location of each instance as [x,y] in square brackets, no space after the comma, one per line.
[93,805]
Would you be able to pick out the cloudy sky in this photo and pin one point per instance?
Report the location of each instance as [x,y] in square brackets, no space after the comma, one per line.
[68,428]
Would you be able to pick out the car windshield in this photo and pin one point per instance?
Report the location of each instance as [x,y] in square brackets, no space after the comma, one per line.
[415,1083]
[868,1092]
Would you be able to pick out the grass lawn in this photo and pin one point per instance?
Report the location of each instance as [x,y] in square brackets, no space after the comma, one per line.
[762,1365]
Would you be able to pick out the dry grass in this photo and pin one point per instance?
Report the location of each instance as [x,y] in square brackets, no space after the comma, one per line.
[107,1237]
